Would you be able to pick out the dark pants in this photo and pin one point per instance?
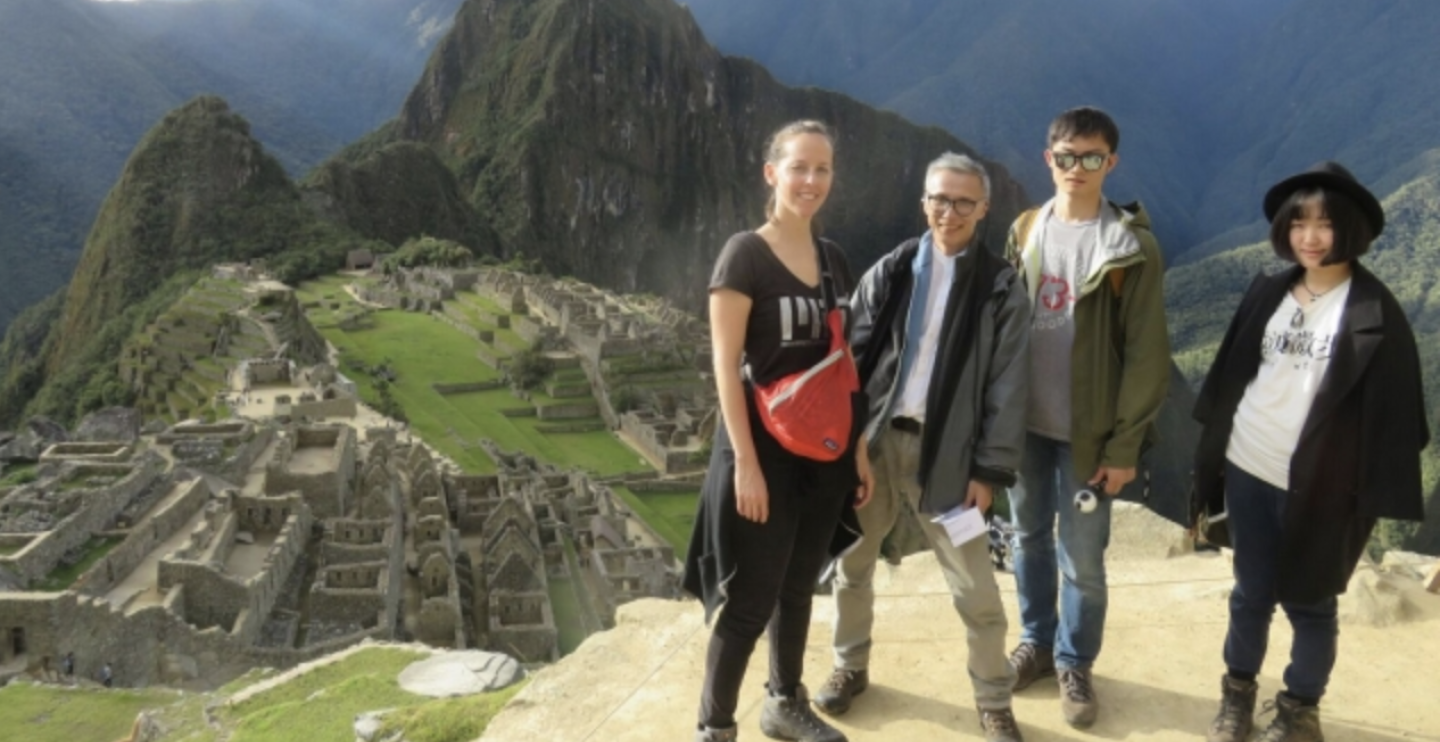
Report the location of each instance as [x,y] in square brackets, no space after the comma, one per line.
[778,564]
[1257,516]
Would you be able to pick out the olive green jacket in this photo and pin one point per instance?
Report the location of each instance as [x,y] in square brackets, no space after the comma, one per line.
[1120,361]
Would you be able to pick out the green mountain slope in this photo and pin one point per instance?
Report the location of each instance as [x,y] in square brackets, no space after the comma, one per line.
[198,190]
[614,143]
[1202,296]
[84,81]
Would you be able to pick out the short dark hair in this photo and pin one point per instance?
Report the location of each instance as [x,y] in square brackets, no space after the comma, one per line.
[1353,233]
[1083,122]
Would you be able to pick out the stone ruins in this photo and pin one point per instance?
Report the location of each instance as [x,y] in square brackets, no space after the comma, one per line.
[187,552]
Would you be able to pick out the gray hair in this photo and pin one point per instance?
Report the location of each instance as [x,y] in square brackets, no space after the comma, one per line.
[963,164]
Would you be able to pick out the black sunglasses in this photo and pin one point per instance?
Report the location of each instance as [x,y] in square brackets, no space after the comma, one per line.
[961,206]
[1089,162]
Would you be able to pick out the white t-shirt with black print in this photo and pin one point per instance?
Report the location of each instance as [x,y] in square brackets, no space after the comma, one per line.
[786,332]
[1299,341]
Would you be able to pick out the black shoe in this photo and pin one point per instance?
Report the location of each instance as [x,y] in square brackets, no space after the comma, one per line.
[839,689]
[1077,697]
[1031,662]
[1293,722]
[791,718]
[1000,726]
[1237,711]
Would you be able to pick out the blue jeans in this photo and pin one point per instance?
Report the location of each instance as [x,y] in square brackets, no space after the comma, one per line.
[1257,524]
[1074,625]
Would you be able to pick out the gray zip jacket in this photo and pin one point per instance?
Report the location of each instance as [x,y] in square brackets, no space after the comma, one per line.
[975,419]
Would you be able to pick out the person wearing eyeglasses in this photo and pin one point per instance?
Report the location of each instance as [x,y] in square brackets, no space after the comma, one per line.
[941,326]
[1099,372]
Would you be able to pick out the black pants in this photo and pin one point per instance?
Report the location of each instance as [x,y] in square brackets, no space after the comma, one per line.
[777,565]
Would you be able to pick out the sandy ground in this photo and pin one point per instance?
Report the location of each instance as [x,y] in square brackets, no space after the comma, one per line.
[1157,678]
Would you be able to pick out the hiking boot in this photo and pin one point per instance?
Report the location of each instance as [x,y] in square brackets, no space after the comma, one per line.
[1031,662]
[711,734]
[1293,722]
[792,718]
[1237,711]
[842,686]
[1077,697]
[1000,726]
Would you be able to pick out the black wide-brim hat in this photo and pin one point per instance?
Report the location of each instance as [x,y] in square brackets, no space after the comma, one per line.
[1332,176]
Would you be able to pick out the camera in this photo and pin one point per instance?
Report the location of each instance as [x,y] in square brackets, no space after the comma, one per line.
[1086,500]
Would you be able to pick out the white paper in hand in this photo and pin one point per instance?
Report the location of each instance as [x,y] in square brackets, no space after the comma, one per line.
[962,524]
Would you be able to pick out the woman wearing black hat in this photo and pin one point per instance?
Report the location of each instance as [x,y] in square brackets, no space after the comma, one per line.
[1313,425]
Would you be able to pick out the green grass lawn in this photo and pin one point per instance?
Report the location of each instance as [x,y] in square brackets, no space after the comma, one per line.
[320,706]
[18,474]
[63,577]
[672,515]
[424,351]
[36,713]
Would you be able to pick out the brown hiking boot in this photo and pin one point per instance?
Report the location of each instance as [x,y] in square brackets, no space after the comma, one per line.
[842,686]
[1031,662]
[1293,721]
[1077,697]
[784,717]
[711,734]
[1000,726]
[1237,711]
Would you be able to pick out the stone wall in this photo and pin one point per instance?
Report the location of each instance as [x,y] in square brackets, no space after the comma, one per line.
[327,493]
[102,453]
[567,411]
[341,407]
[44,552]
[144,538]
[523,626]
[213,598]
[467,387]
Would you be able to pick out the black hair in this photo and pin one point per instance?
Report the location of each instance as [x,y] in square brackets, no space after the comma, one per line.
[1083,122]
[1353,233]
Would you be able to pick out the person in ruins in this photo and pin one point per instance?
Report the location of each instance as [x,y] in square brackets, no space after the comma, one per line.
[768,518]
[1314,419]
[941,336]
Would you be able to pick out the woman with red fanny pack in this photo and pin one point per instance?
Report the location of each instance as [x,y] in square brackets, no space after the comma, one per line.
[770,518]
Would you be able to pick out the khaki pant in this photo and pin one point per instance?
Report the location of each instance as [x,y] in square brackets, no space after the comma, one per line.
[967,570]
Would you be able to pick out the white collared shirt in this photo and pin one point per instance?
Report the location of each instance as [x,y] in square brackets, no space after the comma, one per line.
[917,381]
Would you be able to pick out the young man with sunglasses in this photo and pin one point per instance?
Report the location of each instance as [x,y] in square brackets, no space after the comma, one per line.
[940,331]
[1099,371]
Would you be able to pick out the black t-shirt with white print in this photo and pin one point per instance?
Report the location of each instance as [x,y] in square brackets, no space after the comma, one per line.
[786,331]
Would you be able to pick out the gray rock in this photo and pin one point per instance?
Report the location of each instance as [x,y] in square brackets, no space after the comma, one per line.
[24,447]
[244,537]
[460,674]
[6,436]
[1407,563]
[153,426]
[110,424]
[48,430]
[1136,532]
[1374,598]
[367,725]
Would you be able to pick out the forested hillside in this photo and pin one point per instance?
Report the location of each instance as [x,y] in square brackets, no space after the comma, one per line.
[83,82]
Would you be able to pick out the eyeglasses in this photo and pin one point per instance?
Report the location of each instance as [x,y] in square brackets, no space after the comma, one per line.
[940,204]
[1089,162]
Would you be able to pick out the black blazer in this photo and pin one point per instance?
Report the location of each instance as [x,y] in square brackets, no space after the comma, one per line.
[1358,458]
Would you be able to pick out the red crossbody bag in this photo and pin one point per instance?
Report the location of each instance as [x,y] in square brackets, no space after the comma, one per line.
[809,412]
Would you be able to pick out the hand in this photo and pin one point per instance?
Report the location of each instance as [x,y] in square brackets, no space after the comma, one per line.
[752,497]
[866,490]
[1115,478]
[979,495]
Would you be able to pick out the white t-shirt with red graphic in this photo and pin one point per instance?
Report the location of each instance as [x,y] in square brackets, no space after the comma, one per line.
[1066,252]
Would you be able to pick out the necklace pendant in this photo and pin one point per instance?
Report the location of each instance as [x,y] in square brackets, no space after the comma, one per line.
[1297,321]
